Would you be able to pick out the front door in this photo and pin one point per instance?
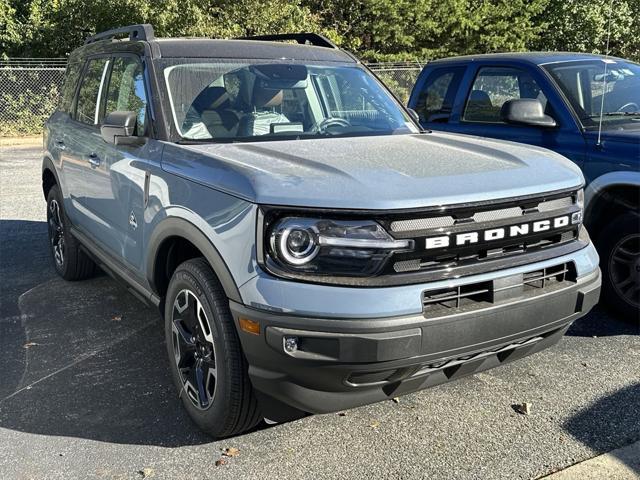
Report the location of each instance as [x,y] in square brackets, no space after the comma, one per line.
[115,187]
[479,112]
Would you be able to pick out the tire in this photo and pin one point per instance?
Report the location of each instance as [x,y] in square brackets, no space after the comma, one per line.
[619,248]
[69,260]
[201,337]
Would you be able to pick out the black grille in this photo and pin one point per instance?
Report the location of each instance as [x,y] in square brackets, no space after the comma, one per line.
[480,295]
[506,218]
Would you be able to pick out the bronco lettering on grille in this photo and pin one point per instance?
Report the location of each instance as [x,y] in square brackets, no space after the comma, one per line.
[483,236]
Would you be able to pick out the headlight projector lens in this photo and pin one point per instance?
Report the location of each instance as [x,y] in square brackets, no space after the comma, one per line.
[298,245]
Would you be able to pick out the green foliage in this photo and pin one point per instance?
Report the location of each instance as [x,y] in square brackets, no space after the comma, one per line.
[374,29]
[580,26]
[26,100]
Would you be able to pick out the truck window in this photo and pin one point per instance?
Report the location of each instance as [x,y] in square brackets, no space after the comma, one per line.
[435,101]
[126,90]
[494,86]
[87,108]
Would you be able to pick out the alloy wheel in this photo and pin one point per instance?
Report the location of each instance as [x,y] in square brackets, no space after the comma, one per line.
[193,349]
[624,268]
[56,232]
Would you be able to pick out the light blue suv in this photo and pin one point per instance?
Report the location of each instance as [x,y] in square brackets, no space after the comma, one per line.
[310,248]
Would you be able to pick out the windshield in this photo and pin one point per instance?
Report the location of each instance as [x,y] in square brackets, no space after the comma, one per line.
[584,83]
[252,100]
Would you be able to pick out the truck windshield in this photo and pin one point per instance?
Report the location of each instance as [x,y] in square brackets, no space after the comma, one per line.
[584,83]
[242,100]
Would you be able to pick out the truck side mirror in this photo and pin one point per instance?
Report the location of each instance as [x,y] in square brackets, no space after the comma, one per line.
[526,111]
[118,127]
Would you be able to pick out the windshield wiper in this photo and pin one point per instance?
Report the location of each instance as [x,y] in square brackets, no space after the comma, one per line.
[614,114]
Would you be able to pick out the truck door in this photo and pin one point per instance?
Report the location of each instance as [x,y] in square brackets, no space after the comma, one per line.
[478,109]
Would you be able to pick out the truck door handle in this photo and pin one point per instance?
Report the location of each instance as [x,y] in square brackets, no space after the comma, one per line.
[60,144]
[94,160]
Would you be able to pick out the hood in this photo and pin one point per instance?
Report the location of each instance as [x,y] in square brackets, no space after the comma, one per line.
[379,172]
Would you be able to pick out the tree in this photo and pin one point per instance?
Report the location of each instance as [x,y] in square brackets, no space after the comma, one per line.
[580,26]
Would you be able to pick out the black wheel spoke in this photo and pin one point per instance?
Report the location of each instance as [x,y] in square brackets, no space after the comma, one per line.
[193,347]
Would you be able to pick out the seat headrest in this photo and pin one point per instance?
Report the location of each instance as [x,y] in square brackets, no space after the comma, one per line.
[212,98]
[480,98]
[266,97]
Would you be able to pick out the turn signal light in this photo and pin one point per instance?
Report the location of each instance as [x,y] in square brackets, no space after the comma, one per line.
[249,326]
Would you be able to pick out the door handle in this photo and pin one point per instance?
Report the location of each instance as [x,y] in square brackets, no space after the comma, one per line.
[94,160]
[60,144]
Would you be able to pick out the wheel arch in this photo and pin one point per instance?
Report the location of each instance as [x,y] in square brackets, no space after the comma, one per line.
[49,176]
[610,195]
[173,240]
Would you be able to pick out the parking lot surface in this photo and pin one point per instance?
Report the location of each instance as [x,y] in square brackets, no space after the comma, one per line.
[86,393]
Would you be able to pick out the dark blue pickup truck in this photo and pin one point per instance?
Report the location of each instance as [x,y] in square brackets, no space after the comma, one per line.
[554,100]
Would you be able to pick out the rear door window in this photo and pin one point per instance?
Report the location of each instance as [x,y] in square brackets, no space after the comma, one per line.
[436,98]
[88,104]
[494,86]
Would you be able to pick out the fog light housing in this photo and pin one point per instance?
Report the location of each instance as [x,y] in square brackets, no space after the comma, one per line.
[291,344]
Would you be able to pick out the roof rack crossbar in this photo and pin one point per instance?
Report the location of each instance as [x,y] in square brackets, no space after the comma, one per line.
[302,38]
[136,32]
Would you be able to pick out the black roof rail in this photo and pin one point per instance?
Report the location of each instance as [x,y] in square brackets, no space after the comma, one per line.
[136,32]
[302,38]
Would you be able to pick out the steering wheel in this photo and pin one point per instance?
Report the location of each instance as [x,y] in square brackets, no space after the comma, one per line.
[331,121]
[633,105]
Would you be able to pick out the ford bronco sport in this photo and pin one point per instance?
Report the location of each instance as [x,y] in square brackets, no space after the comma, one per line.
[309,247]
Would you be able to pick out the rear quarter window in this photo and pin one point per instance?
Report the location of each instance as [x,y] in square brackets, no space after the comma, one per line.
[71,77]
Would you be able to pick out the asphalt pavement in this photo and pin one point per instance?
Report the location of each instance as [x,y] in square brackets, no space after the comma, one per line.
[85,390]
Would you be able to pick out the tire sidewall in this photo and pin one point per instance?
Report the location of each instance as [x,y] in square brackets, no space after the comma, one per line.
[216,413]
[619,229]
[54,194]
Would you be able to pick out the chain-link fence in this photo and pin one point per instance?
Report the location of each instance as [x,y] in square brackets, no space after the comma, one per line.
[399,77]
[29,89]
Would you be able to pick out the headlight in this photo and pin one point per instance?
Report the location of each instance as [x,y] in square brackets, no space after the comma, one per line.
[320,246]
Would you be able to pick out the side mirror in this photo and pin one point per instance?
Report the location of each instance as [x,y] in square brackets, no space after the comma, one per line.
[118,127]
[526,111]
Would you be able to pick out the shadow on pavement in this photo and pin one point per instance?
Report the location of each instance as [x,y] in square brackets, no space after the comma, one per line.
[602,323]
[81,359]
[609,423]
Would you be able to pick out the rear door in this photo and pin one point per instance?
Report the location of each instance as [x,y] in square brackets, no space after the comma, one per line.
[84,147]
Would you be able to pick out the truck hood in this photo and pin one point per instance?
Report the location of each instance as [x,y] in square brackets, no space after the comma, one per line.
[375,172]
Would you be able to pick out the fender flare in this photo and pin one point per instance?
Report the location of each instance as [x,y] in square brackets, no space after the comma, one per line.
[611,179]
[47,164]
[178,227]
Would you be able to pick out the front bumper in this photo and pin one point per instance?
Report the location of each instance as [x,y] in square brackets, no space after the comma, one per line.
[346,362]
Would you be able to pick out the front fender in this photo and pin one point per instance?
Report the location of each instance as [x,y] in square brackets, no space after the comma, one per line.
[179,227]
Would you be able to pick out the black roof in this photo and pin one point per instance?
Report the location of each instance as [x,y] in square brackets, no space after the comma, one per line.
[538,58]
[199,47]
[307,46]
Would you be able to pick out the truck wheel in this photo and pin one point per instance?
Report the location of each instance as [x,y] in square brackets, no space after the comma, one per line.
[207,363]
[70,261]
[619,248]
